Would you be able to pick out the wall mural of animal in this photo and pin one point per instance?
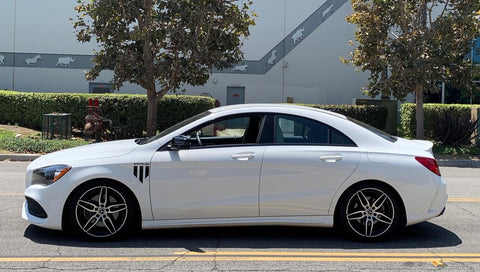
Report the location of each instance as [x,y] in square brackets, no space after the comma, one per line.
[327,10]
[240,68]
[65,62]
[33,61]
[273,57]
[298,35]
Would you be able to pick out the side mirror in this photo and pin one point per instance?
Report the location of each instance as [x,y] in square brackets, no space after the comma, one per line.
[180,142]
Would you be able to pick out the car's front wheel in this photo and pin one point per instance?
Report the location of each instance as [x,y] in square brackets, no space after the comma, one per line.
[101,211]
[369,212]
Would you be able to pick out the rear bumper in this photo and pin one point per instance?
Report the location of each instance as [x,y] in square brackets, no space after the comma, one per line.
[426,202]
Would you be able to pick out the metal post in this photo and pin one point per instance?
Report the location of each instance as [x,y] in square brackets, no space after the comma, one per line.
[284,64]
[443,92]
[14,40]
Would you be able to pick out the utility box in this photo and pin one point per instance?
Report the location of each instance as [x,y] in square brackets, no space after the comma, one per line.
[57,126]
[392,112]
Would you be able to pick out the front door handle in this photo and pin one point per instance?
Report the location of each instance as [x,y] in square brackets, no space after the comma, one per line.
[243,156]
[331,158]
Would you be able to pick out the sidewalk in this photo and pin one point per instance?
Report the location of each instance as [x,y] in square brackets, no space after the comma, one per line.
[443,160]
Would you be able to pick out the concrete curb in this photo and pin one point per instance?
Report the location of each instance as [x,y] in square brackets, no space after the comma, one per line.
[463,163]
[18,157]
[458,163]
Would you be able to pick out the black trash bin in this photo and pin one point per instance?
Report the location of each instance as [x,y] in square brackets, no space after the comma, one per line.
[57,126]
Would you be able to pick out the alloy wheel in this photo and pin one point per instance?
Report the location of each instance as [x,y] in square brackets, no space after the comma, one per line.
[101,211]
[370,212]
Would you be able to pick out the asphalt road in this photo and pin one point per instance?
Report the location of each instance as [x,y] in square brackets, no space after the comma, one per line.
[448,243]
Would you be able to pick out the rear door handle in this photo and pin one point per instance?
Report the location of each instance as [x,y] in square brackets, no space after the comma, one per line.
[331,158]
[243,156]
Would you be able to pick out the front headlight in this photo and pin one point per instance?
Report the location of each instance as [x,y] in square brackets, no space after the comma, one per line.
[50,174]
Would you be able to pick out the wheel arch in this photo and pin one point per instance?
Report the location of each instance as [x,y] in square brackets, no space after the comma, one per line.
[370,182]
[138,213]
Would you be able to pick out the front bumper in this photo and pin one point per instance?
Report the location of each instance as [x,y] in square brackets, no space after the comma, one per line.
[43,207]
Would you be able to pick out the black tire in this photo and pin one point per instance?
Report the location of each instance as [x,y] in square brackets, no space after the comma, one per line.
[101,210]
[368,212]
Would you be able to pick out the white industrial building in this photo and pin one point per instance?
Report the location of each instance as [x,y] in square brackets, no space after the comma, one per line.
[292,54]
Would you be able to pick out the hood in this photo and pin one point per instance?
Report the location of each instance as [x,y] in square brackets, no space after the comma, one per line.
[92,151]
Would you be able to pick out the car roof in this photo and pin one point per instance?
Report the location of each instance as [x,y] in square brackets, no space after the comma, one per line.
[272,107]
[360,135]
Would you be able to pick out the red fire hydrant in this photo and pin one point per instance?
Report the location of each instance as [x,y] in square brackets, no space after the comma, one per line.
[94,122]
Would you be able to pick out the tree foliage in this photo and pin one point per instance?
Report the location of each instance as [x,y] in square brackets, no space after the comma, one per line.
[162,44]
[409,46]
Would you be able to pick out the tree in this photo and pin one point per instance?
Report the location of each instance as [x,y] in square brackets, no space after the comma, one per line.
[162,44]
[409,46]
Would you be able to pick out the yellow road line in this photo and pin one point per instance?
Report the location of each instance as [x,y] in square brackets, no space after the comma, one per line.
[11,194]
[220,257]
[330,259]
[338,254]
[87,259]
[460,199]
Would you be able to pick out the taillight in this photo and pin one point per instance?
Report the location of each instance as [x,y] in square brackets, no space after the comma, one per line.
[430,164]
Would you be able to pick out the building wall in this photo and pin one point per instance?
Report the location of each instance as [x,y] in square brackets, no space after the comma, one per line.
[293,52]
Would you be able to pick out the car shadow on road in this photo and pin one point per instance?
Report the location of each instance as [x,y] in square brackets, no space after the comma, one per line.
[423,235]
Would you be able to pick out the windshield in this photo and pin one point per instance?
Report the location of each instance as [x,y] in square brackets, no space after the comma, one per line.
[177,126]
[380,133]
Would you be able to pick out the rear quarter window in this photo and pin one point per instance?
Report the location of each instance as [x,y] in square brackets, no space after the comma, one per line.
[374,130]
[291,129]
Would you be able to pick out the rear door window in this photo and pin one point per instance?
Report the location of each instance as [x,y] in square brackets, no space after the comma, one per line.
[290,129]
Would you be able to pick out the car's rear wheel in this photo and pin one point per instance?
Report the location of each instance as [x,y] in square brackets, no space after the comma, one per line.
[369,212]
[101,211]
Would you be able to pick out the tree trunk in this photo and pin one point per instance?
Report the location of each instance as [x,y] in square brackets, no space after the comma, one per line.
[148,62]
[420,134]
[152,112]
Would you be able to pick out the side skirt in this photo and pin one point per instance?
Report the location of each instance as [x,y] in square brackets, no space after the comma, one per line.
[311,221]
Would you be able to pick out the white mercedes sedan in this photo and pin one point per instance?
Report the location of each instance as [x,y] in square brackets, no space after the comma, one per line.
[252,164]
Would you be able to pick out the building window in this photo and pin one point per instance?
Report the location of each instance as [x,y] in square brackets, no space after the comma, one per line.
[94,87]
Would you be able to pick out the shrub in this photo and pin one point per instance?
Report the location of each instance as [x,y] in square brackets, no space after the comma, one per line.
[28,145]
[444,123]
[452,128]
[456,150]
[128,112]
[373,115]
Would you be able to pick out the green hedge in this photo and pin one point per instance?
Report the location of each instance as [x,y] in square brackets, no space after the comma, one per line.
[28,145]
[432,112]
[125,110]
[373,115]
[130,111]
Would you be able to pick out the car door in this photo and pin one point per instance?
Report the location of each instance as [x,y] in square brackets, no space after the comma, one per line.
[304,168]
[217,177]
